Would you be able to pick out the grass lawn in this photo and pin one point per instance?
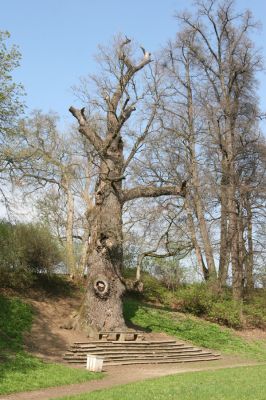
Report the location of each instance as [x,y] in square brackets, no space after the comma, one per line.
[245,383]
[22,372]
[19,371]
[197,331]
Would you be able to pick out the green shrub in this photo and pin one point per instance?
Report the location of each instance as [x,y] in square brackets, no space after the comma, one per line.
[25,249]
[226,312]
[153,290]
[255,309]
[196,299]
[203,300]
[40,252]
[20,278]
[10,251]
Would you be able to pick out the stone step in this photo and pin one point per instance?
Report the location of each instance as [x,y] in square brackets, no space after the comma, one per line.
[131,352]
[151,360]
[165,361]
[138,356]
[125,346]
[134,349]
[145,352]
[102,343]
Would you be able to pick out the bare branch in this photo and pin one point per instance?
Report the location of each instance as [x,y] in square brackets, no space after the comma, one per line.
[86,130]
[139,140]
[152,191]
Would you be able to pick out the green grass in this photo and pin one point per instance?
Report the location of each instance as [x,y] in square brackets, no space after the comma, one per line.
[245,383]
[19,371]
[22,372]
[195,330]
[15,319]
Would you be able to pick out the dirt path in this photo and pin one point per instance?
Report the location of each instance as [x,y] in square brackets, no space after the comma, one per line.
[126,374]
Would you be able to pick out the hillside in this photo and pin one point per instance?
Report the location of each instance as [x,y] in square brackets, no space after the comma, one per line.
[53,306]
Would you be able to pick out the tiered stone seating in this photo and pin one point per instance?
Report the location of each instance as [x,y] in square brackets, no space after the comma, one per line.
[123,352]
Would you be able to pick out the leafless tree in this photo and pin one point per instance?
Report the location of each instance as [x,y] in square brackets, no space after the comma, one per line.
[120,92]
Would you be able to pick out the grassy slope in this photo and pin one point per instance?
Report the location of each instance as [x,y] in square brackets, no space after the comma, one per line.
[245,383]
[195,330]
[20,371]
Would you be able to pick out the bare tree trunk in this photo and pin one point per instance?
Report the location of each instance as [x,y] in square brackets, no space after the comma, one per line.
[233,235]
[195,181]
[70,256]
[224,244]
[205,238]
[242,249]
[139,266]
[84,253]
[193,236]
[250,252]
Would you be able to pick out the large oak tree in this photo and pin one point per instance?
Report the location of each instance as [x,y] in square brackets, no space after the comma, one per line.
[102,306]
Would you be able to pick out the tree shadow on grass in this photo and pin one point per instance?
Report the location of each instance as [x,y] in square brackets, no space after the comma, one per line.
[156,324]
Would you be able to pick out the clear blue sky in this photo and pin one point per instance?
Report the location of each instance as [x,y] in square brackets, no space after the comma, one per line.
[58,39]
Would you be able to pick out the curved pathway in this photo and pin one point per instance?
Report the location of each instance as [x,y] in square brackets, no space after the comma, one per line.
[126,374]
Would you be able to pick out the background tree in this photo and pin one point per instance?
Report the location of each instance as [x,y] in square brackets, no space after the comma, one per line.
[54,169]
[11,105]
[217,40]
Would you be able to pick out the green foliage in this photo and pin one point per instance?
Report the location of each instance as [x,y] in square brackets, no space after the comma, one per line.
[195,299]
[25,249]
[245,383]
[187,327]
[10,92]
[255,309]
[40,252]
[226,312]
[153,290]
[203,300]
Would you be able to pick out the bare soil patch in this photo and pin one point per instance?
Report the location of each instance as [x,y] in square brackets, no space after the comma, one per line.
[252,334]
[47,338]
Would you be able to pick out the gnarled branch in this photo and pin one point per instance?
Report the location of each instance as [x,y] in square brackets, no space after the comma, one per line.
[152,191]
[86,130]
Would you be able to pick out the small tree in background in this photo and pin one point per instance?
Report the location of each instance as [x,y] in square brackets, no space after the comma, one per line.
[26,250]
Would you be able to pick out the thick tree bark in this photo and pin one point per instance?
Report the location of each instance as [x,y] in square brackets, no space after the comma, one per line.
[102,307]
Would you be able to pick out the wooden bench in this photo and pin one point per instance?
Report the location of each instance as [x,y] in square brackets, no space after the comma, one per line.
[121,336]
